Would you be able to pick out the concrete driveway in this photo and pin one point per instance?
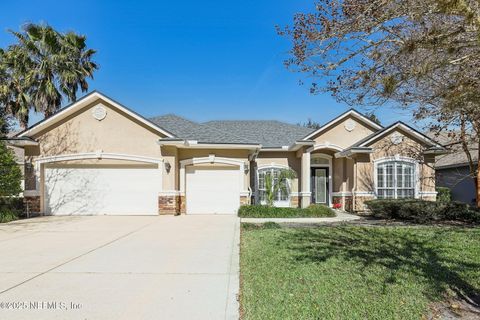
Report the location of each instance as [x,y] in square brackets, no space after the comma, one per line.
[108,267]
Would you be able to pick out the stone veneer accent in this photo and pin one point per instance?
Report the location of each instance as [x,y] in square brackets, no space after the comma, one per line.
[348,204]
[168,204]
[429,198]
[359,205]
[294,201]
[32,204]
[181,204]
[345,201]
[244,200]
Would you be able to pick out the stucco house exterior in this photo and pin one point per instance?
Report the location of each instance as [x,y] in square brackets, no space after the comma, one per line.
[96,156]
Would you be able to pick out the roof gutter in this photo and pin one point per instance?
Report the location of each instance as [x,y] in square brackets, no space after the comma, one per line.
[20,142]
[352,151]
[194,144]
[436,151]
[293,147]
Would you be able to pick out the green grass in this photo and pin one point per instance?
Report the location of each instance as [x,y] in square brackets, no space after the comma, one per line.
[355,272]
[259,211]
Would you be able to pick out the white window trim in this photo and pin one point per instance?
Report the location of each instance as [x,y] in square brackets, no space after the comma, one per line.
[398,158]
[329,166]
[326,145]
[284,203]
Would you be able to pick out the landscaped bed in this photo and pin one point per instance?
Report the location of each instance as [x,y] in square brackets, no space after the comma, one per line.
[352,272]
[10,208]
[258,211]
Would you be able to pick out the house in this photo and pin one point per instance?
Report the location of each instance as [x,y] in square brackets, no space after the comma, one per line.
[452,171]
[96,156]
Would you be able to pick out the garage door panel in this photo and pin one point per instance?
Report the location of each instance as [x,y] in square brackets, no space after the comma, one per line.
[212,190]
[70,191]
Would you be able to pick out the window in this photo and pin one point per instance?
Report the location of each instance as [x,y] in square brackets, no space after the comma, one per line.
[395,180]
[282,196]
[319,160]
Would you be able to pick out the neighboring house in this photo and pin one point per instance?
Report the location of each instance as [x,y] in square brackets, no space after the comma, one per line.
[96,156]
[453,172]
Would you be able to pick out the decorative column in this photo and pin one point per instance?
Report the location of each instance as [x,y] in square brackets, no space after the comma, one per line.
[305,193]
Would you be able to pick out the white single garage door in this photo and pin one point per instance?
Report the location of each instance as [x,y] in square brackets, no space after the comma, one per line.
[212,190]
[102,191]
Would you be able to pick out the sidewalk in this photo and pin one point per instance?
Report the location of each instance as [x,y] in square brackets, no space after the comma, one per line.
[341,217]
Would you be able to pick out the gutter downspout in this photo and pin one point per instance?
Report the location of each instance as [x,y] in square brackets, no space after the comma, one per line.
[354,188]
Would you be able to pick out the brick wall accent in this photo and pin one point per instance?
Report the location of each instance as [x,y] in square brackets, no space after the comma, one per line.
[168,204]
[32,204]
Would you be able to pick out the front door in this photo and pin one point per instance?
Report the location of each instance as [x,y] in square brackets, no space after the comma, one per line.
[320,186]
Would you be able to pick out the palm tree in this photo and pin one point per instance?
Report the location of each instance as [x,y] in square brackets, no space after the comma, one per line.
[276,184]
[61,65]
[16,81]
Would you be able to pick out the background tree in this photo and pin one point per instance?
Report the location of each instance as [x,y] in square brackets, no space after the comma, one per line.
[372,116]
[417,54]
[41,69]
[310,124]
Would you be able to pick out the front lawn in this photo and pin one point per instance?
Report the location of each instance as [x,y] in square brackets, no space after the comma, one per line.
[353,272]
[260,211]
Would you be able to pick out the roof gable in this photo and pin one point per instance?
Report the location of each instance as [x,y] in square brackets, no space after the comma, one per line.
[83,102]
[350,113]
[395,126]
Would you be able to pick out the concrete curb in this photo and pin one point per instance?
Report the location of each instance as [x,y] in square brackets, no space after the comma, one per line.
[341,217]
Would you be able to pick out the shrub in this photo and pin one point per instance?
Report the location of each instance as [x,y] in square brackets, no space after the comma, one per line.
[444,194]
[261,211]
[10,173]
[7,215]
[318,210]
[10,208]
[422,211]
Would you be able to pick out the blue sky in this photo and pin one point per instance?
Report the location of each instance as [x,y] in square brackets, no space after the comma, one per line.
[203,60]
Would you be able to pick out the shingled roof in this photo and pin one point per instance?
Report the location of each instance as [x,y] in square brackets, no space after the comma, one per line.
[189,130]
[268,133]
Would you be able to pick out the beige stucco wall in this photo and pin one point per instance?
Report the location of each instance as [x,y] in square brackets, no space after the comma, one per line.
[409,148]
[338,135]
[117,133]
[80,132]
[185,154]
[288,159]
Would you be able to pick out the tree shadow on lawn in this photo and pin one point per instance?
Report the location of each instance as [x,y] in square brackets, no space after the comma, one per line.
[420,253]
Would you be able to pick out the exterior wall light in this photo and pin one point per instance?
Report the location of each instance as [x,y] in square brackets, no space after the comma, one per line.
[168,166]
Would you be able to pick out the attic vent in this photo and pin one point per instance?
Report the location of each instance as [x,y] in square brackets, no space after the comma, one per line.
[396,138]
[99,112]
[350,125]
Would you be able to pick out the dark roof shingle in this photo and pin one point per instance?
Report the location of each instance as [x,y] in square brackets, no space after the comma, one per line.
[268,133]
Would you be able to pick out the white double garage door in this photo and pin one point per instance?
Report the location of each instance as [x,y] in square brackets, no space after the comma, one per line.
[78,190]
